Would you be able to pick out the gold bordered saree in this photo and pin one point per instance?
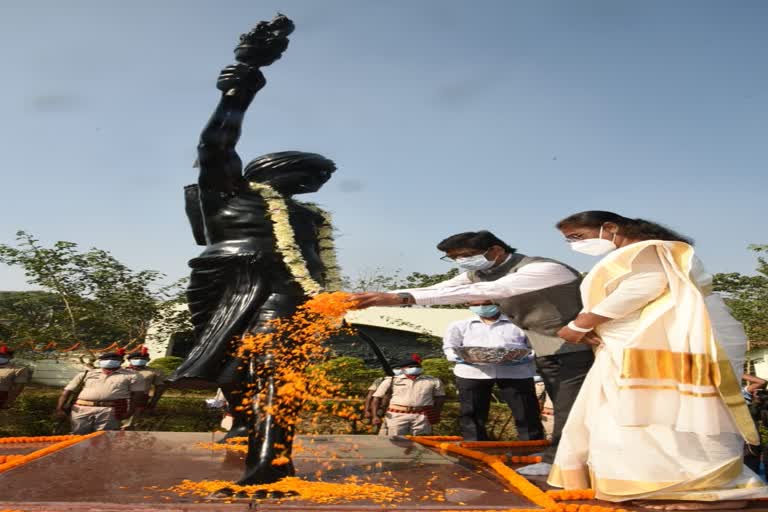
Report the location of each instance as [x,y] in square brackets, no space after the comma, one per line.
[660,414]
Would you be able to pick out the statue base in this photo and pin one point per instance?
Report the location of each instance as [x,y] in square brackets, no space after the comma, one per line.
[121,471]
[132,471]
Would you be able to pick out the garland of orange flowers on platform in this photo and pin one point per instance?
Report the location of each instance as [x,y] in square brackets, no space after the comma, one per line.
[8,458]
[442,438]
[25,459]
[546,500]
[37,439]
[572,495]
[521,459]
[504,444]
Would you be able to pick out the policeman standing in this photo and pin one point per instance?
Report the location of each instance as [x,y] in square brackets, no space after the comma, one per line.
[107,395]
[415,403]
[154,384]
[13,378]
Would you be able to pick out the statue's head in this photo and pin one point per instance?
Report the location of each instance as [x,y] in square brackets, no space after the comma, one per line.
[290,172]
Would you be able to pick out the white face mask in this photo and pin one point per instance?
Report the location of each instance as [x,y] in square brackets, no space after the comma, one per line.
[397,371]
[474,263]
[595,246]
[414,370]
[109,364]
[4,360]
[138,362]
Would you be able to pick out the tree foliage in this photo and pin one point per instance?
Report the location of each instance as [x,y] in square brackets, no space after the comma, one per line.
[379,281]
[86,296]
[747,296]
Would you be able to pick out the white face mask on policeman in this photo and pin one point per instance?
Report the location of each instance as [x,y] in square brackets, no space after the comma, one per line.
[413,370]
[474,263]
[138,362]
[595,246]
[109,364]
[397,371]
[486,310]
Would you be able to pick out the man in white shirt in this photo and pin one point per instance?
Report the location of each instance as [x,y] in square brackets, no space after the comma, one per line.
[539,295]
[475,381]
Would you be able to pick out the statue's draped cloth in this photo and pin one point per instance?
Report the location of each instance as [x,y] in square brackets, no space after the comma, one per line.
[660,414]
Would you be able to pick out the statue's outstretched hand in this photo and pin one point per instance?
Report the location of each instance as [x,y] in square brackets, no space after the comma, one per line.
[240,76]
[265,43]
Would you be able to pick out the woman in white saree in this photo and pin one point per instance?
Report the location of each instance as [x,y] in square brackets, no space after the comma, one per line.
[660,417]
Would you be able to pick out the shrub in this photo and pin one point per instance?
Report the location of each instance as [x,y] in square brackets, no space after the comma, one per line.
[443,370]
[167,364]
[352,372]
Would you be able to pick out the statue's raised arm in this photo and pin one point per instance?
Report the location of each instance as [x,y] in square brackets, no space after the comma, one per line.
[220,165]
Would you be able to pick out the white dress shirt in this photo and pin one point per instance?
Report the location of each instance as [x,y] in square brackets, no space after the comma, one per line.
[473,332]
[460,290]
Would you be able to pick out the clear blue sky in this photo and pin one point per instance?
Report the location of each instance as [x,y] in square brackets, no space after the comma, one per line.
[443,116]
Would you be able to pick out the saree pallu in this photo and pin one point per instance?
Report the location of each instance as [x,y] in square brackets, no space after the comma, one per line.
[660,414]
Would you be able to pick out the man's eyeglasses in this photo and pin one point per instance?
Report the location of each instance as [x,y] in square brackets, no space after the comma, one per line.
[452,259]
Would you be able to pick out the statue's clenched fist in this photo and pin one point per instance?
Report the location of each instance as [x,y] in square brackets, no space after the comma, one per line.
[240,76]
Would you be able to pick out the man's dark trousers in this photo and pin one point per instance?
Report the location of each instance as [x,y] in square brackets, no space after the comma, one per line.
[475,403]
[563,375]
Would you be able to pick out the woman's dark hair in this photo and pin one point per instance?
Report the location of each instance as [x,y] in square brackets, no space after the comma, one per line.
[481,240]
[639,229]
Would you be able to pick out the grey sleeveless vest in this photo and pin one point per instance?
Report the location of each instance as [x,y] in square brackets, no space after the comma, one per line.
[540,313]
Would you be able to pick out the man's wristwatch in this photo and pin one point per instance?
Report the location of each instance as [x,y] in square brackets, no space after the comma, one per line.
[406,298]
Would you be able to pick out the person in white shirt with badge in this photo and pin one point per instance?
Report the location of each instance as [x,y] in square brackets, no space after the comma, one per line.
[491,336]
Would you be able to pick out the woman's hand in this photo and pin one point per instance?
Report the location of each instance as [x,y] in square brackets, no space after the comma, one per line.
[571,336]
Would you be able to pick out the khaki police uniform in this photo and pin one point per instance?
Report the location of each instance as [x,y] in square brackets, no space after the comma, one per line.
[376,383]
[410,402]
[152,379]
[103,400]
[369,399]
[10,377]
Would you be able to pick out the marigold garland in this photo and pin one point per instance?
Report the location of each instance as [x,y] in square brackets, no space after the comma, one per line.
[24,459]
[505,444]
[546,500]
[37,439]
[572,495]
[442,438]
[521,459]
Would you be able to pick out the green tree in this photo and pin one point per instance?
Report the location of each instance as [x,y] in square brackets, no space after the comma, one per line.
[378,281]
[87,296]
[747,296]
[420,280]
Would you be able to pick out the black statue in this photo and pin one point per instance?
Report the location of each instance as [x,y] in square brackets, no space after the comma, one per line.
[240,281]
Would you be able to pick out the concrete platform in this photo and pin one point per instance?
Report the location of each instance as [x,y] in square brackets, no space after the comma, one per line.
[121,471]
